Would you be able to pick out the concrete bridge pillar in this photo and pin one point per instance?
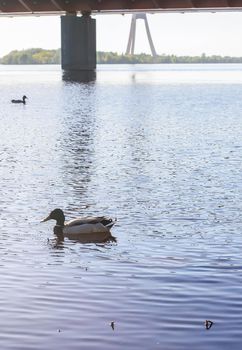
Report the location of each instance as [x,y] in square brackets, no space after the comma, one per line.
[78,42]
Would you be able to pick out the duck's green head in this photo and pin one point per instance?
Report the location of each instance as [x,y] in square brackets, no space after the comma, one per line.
[58,215]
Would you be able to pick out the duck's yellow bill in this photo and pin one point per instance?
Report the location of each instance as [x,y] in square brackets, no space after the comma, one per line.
[46,219]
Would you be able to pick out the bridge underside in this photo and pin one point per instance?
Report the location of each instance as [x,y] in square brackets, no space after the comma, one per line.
[14,7]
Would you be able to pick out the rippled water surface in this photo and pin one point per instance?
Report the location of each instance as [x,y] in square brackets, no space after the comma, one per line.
[158,147]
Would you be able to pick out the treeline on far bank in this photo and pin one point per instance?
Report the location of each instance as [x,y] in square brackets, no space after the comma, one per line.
[32,56]
[42,56]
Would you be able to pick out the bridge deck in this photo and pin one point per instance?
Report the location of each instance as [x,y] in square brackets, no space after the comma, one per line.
[14,7]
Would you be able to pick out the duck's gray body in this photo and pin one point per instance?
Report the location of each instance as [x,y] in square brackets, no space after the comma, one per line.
[88,224]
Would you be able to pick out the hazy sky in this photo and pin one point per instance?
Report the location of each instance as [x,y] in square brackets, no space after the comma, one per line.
[173,33]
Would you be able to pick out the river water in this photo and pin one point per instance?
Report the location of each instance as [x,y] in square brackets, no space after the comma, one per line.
[160,148]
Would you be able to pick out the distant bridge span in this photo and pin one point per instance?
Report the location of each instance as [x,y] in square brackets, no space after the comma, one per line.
[27,7]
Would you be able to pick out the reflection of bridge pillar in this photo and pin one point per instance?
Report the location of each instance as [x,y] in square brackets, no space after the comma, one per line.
[131,42]
[78,42]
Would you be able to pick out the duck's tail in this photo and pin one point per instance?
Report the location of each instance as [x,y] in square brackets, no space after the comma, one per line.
[109,222]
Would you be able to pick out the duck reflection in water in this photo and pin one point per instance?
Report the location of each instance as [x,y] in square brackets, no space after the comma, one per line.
[89,229]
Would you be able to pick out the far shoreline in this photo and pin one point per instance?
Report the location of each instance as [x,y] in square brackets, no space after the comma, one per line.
[39,56]
[123,64]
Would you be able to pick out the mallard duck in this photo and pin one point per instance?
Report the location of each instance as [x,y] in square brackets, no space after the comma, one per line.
[20,101]
[86,229]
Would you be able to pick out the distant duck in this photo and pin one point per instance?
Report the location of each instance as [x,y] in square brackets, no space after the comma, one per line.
[85,229]
[20,101]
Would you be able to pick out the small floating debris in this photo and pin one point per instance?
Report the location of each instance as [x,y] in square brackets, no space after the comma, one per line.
[112,325]
[59,330]
[208,324]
